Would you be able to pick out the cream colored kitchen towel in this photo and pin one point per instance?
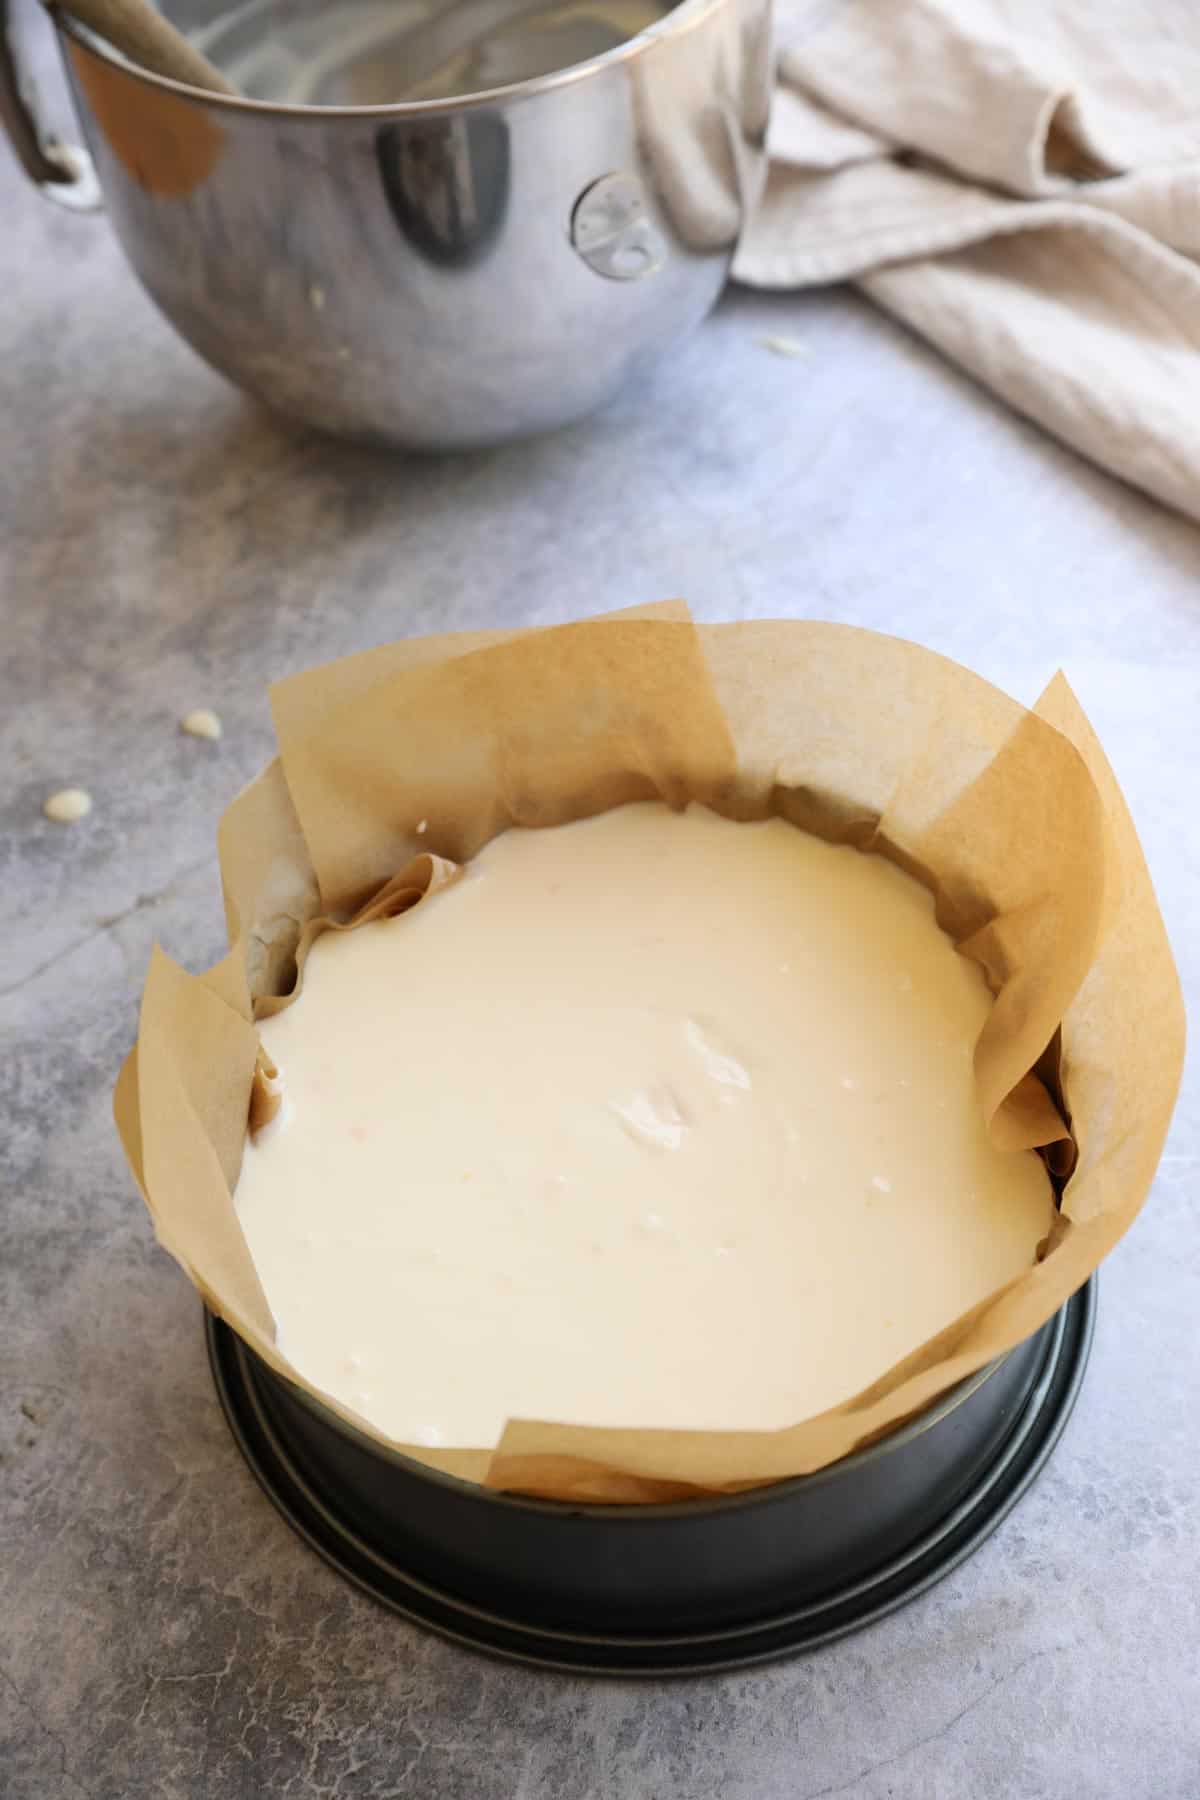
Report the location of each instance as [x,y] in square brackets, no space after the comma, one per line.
[1019,181]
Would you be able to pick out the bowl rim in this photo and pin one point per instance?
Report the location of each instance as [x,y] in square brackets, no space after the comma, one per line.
[681,18]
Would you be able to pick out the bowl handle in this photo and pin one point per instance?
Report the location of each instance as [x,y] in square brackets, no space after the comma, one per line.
[63,172]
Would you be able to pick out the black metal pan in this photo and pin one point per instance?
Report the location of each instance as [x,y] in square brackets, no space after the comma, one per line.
[699,1584]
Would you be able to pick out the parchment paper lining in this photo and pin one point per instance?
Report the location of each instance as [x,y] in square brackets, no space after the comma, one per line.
[1012,817]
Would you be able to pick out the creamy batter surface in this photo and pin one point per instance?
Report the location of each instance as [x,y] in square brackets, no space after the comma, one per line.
[650,1120]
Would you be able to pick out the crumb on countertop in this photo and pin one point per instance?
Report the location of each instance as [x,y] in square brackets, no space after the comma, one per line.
[201,723]
[68,806]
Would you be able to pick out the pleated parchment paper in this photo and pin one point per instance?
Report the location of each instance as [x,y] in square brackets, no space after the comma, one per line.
[1013,818]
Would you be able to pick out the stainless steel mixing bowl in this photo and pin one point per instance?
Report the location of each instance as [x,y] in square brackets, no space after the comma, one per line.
[440,273]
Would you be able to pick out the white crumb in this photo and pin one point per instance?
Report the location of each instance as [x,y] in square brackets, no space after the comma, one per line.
[785,346]
[68,806]
[201,723]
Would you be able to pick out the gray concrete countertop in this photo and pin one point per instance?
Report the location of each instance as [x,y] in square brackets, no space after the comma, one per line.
[165,546]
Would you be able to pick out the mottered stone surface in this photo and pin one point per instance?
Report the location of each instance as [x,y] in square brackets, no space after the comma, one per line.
[164,546]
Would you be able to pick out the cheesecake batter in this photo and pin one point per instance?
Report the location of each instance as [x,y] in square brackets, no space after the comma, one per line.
[650,1120]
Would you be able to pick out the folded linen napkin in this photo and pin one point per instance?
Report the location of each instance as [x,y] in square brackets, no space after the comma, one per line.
[1019,182]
